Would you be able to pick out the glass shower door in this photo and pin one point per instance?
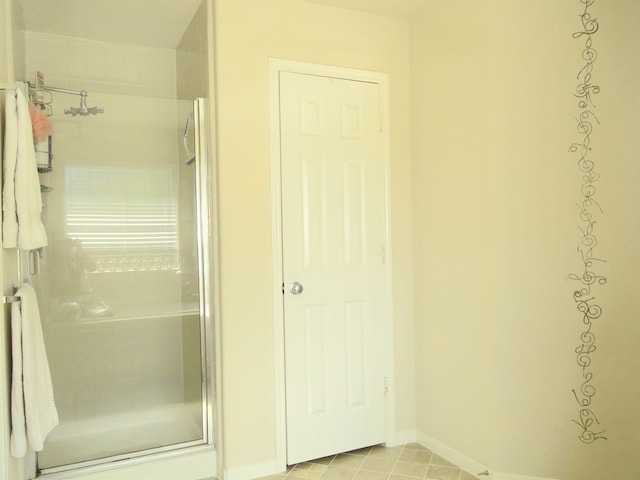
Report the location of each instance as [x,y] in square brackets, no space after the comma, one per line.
[120,285]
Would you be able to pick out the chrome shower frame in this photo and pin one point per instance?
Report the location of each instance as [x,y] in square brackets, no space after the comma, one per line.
[202,452]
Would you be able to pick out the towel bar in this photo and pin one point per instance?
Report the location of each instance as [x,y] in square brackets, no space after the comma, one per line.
[10,299]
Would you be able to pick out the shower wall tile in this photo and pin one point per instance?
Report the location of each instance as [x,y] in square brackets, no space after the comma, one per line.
[81,64]
[133,133]
[191,58]
[112,367]
[19,43]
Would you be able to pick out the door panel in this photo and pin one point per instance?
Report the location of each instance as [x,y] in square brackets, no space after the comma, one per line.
[333,236]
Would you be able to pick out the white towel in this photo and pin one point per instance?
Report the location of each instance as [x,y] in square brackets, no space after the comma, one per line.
[22,201]
[33,410]
[10,216]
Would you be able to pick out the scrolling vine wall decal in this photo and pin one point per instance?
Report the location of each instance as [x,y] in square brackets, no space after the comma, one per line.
[588,279]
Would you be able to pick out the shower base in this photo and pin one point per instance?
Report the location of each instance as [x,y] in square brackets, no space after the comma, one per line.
[86,440]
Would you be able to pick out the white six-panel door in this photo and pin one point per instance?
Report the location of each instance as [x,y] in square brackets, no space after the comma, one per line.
[333,263]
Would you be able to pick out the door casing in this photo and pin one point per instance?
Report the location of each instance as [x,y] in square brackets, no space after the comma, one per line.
[275,67]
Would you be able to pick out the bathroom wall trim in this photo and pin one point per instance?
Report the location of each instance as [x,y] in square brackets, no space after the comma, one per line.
[511,476]
[466,463]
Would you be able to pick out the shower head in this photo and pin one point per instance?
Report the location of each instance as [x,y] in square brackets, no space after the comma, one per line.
[73,111]
[83,110]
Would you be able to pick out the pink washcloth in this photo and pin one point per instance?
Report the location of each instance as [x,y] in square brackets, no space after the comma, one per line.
[40,124]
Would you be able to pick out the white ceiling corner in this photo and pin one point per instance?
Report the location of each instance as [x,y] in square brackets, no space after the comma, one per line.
[150,23]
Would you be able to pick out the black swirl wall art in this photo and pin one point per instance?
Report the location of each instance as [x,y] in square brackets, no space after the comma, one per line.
[588,280]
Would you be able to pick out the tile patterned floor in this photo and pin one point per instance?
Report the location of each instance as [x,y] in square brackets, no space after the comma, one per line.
[406,462]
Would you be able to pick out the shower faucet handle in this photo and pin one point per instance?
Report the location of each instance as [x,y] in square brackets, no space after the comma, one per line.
[34,260]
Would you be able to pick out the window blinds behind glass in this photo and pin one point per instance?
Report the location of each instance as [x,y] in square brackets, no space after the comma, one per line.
[124,217]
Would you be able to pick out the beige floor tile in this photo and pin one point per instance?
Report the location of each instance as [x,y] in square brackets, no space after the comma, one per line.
[416,456]
[379,464]
[323,461]
[410,468]
[437,472]
[295,476]
[391,452]
[361,451]
[364,475]
[438,460]
[303,466]
[312,466]
[346,460]
[467,476]
[407,462]
[335,473]
[415,446]
[309,471]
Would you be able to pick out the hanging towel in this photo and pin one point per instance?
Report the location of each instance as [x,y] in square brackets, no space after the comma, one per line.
[22,202]
[33,410]
[10,216]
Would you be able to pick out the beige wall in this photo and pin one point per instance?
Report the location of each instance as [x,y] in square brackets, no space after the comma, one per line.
[11,54]
[453,237]
[496,235]
[248,33]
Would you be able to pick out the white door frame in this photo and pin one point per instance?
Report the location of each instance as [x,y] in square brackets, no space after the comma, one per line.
[382,79]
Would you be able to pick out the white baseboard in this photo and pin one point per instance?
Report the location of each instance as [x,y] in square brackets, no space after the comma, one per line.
[445,451]
[249,472]
[511,476]
[466,463]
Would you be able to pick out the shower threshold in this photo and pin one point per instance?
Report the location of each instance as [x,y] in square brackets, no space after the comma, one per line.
[186,463]
[110,438]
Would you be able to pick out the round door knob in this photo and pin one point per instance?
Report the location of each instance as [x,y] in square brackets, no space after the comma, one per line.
[296,288]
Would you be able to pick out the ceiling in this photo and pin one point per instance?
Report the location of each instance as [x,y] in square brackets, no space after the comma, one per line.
[154,23]
[391,8]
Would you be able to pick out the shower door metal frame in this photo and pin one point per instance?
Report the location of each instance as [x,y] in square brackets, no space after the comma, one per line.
[203,176]
[204,242]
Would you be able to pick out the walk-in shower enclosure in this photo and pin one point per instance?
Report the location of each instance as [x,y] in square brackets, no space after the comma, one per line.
[123,285]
